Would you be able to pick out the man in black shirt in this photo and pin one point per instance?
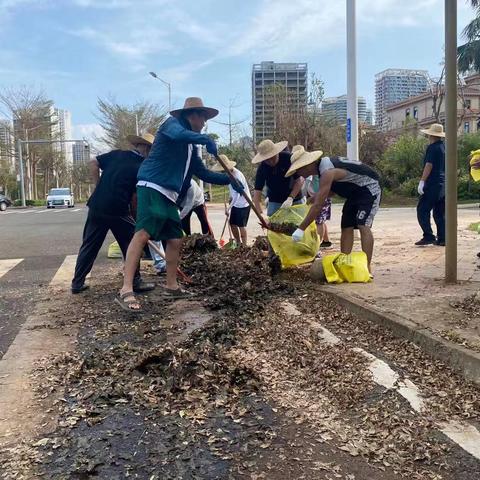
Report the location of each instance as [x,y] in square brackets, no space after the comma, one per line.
[109,207]
[432,188]
[274,162]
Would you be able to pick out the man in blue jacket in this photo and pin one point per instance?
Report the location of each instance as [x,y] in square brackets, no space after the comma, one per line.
[173,160]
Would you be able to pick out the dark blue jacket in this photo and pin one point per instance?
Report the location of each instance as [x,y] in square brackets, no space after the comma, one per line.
[166,163]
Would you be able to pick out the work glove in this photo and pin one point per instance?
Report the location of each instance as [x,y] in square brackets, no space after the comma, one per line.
[298,235]
[211,147]
[421,186]
[287,203]
[237,186]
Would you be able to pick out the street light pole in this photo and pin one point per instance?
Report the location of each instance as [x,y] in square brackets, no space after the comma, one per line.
[22,179]
[451,140]
[352,102]
[154,75]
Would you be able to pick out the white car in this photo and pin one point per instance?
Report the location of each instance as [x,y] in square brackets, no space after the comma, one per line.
[60,197]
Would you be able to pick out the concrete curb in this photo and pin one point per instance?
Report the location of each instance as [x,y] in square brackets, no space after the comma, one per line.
[464,361]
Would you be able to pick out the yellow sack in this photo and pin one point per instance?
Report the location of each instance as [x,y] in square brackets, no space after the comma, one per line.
[114,251]
[352,268]
[290,253]
[475,159]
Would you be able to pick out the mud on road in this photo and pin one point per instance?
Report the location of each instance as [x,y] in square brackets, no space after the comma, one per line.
[256,377]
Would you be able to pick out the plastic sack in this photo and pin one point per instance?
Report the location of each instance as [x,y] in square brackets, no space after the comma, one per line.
[290,253]
[352,268]
[114,251]
[474,160]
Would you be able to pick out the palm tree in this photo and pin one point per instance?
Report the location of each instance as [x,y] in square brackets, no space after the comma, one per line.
[469,53]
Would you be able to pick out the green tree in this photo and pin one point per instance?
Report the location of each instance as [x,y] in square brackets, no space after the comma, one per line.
[469,53]
[119,120]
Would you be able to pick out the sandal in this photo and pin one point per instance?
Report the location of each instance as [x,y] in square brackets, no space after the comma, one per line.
[176,293]
[125,304]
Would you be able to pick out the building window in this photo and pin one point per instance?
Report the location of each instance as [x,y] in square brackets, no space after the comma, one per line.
[468,104]
[478,125]
[466,127]
[415,113]
[407,113]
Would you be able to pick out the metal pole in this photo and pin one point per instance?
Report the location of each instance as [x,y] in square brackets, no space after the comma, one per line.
[136,125]
[451,140]
[22,179]
[352,105]
[169,97]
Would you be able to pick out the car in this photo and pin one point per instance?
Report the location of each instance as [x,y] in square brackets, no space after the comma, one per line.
[60,197]
[4,202]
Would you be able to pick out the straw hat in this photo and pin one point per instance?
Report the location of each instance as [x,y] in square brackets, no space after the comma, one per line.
[195,103]
[301,158]
[267,149]
[435,130]
[145,139]
[230,164]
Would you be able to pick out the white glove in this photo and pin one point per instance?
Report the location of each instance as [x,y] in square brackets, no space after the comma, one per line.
[421,186]
[287,203]
[297,235]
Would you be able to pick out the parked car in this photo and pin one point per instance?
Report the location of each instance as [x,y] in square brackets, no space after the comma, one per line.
[4,202]
[60,197]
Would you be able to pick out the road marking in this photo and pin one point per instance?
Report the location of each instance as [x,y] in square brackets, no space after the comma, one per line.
[7,265]
[76,210]
[64,274]
[465,435]
[42,211]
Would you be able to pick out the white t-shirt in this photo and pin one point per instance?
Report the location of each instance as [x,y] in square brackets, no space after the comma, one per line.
[237,199]
[193,198]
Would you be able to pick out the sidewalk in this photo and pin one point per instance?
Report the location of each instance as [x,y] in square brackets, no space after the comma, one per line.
[409,287]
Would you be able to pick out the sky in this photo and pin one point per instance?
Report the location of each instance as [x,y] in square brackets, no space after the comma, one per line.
[79,50]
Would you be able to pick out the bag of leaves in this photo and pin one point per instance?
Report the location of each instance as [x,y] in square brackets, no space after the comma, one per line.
[290,253]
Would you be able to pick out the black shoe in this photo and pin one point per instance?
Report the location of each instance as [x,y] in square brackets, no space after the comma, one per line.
[81,289]
[440,243]
[142,287]
[425,241]
[326,245]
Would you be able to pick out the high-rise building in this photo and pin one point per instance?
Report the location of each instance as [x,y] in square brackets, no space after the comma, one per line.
[335,109]
[62,130]
[395,85]
[7,147]
[369,117]
[80,153]
[265,75]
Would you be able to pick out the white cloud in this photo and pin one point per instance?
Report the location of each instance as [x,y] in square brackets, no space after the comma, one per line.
[91,132]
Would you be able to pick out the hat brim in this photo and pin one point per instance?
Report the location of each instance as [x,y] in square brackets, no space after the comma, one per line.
[209,112]
[278,147]
[135,140]
[433,134]
[218,167]
[310,157]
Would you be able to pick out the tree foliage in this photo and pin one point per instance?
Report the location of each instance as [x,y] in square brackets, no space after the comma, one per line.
[469,53]
[118,120]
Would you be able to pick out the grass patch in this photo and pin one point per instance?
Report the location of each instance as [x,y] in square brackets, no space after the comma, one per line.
[474,226]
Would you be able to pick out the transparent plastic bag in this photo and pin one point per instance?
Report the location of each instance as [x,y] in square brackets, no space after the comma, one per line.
[290,253]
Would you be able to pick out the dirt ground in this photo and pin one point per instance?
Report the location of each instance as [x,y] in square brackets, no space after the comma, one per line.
[237,382]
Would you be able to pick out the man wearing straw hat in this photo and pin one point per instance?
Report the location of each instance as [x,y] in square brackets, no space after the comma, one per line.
[274,161]
[431,188]
[109,208]
[163,177]
[354,181]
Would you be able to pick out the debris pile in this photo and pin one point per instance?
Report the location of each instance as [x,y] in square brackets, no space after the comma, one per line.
[285,228]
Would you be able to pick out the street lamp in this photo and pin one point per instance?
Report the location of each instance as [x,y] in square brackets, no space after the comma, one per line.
[154,75]
[352,105]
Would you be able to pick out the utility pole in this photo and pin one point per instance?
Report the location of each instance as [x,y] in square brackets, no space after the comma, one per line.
[451,140]
[352,105]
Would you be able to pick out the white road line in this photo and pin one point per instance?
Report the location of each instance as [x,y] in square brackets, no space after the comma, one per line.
[465,435]
[42,211]
[64,274]
[76,209]
[7,265]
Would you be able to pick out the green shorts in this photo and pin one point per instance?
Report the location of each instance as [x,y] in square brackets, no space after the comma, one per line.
[157,215]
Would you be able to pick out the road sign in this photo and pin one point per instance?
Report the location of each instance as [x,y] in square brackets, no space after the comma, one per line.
[349,130]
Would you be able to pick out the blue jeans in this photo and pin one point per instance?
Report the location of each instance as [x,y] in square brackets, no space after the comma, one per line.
[274,206]
[159,264]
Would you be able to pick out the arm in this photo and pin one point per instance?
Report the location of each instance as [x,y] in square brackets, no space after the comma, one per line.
[203,173]
[297,187]
[174,131]
[257,198]
[94,168]
[427,170]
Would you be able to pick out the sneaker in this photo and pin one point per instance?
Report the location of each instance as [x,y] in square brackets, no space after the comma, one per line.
[425,241]
[440,243]
[326,244]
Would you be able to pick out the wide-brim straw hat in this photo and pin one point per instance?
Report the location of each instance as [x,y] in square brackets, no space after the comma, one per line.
[267,149]
[195,103]
[230,164]
[145,139]
[301,158]
[435,130]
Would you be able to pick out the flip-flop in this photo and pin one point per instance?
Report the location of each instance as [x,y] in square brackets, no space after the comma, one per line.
[121,300]
[176,293]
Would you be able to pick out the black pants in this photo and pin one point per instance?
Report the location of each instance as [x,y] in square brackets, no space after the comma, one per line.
[201,212]
[432,200]
[94,233]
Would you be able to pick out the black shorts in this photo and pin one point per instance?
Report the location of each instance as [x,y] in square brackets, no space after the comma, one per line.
[239,216]
[360,209]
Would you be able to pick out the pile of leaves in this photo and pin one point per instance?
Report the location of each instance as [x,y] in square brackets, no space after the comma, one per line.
[285,228]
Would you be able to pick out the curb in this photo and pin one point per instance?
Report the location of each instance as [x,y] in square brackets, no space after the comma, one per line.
[464,361]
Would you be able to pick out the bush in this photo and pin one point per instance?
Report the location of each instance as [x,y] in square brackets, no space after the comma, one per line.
[467,188]
[409,188]
[466,144]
